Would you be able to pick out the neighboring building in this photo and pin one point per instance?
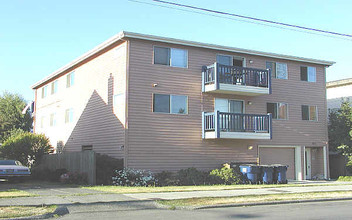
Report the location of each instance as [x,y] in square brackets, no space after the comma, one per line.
[168,104]
[336,92]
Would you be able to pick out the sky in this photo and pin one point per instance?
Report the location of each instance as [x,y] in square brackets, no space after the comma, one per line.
[38,37]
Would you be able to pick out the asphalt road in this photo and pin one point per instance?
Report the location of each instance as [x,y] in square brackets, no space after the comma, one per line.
[145,211]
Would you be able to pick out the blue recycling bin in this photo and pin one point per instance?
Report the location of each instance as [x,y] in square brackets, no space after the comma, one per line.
[267,173]
[280,174]
[251,173]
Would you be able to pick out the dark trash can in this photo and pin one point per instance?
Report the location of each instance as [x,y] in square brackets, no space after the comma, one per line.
[267,172]
[251,173]
[280,173]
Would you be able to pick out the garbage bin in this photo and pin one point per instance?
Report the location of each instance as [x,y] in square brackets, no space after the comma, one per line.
[267,172]
[251,172]
[280,173]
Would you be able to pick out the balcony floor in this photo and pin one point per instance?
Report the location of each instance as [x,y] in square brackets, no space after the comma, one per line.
[237,89]
[238,135]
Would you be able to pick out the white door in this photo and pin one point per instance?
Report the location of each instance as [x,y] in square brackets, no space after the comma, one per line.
[308,164]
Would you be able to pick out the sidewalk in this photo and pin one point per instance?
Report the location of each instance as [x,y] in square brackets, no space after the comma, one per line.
[48,198]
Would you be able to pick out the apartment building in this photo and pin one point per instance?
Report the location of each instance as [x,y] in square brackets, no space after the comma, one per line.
[167,104]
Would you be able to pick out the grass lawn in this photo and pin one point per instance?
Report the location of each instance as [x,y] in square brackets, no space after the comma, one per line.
[24,211]
[12,193]
[128,189]
[194,202]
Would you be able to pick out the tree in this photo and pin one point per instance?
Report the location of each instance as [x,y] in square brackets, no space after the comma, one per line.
[26,147]
[11,117]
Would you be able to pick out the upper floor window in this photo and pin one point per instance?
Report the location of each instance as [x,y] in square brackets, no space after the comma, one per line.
[70,79]
[53,120]
[277,110]
[54,87]
[69,115]
[44,91]
[171,56]
[309,112]
[278,70]
[174,104]
[42,122]
[308,73]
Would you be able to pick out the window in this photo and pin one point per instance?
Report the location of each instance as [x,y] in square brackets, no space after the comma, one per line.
[42,121]
[70,80]
[308,73]
[174,104]
[278,70]
[170,56]
[87,147]
[69,115]
[54,87]
[53,120]
[44,91]
[278,110]
[309,113]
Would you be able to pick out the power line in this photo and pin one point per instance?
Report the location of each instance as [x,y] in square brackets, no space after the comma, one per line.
[255,19]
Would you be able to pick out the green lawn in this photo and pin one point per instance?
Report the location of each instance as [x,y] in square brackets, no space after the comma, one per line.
[127,189]
[12,193]
[24,211]
[345,178]
[196,202]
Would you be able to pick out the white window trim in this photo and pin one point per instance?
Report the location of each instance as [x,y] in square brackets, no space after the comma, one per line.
[316,112]
[153,59]
[276,66]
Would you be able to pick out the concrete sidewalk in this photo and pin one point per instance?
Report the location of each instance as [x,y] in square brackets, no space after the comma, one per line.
[46,198]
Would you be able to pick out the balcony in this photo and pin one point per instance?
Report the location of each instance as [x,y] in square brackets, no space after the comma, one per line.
[218,78]
[236,126]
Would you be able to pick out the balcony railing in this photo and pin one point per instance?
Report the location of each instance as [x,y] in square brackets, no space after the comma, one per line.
[217,75]
[252,126]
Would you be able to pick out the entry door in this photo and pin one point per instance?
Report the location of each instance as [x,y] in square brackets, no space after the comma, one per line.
[232,106]
[308,163]
[230,123]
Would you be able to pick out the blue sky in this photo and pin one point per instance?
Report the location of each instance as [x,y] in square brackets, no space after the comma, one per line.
[38,37]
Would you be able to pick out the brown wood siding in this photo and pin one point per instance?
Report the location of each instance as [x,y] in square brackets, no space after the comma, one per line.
[170,142]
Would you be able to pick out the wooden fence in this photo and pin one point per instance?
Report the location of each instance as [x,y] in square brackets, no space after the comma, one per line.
[81,162]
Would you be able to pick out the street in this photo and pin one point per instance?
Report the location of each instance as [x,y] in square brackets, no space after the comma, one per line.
[145,210]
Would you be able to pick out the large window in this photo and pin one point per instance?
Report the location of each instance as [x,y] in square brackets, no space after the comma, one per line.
[174,104]
[54,87]
[53,120]
[278,70]
[70,79]
[278,110]
[69,115]
[44,91]
[171,57]
[308,73]
[309,112]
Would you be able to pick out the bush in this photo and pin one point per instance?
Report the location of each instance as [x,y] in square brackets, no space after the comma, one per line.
[226,175]
[105,168]
[26,147]
[345,178]
[132,177]
[167,178]
[192,176]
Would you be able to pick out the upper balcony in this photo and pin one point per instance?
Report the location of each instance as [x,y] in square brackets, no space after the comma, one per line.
[218,78]
[236,126]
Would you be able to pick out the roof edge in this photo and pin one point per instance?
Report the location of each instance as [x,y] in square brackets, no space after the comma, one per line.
[340,82]
[125,34]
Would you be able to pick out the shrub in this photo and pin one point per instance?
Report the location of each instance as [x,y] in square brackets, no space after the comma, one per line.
[227,175]
[192,176]
[26,147]
[133,177]
[167,178]
[74,178]
[105,168]
[345,178]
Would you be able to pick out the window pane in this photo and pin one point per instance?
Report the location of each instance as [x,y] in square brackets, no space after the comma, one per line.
[281,70]
[70,80]
[162,55]
[282,108]
[305,112]
[304,74]
[179,104]
[224,60]
[236,106]
[312,113]
[54,87]
[161,103]
[272,108]
[178,57]
[311,74]
[272,67]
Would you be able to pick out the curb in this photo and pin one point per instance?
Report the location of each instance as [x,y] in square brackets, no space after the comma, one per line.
[248,204]
[59,211]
